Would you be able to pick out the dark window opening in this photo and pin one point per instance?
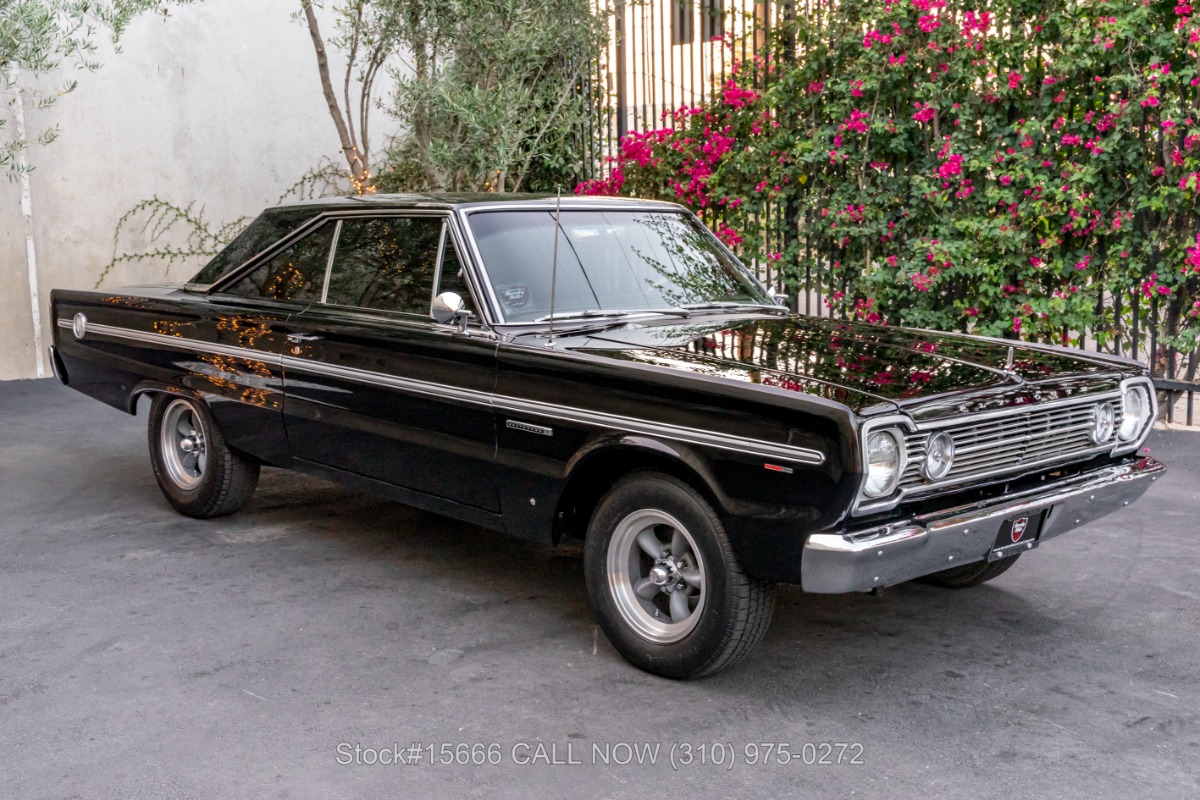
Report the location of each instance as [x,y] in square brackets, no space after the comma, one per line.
[297,273]
[386,263]
[254,238]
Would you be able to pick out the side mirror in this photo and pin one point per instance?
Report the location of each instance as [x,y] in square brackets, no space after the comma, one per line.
[448,308]
[781,299]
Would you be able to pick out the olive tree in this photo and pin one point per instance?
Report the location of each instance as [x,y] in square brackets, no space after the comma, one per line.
[494,94]
[487,91]
[40,38]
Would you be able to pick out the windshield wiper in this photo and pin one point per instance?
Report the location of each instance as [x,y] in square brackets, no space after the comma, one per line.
[723,305]
[591,312]
[600,312]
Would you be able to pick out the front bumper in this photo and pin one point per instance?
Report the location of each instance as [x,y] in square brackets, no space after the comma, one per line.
[859,561]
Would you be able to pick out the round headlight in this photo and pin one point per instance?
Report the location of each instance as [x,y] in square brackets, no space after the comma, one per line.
[1104,419]
[1137,410]
[939,456]
[883,464]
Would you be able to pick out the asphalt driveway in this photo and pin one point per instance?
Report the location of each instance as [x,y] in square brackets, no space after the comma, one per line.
[147,655]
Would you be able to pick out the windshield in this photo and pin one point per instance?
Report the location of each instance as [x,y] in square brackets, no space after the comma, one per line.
[608,261]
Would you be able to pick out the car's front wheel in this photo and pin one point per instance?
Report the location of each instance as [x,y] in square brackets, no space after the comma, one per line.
[665,584]
[197,472]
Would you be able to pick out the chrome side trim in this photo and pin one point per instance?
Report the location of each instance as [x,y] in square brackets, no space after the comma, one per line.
[580,416]
[181,343]
[586,417]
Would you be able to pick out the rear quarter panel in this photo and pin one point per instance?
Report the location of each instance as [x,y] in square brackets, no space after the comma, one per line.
[164,339]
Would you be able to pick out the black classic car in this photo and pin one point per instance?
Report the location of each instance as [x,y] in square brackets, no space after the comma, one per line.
[606,371]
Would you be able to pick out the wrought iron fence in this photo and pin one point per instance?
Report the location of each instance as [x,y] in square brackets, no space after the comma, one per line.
[665,54]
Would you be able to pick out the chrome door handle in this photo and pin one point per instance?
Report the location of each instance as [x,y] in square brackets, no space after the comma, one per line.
[297,338]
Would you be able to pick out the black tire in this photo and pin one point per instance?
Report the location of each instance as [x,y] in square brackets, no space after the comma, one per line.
[969,575]
[724,613]
[201,477]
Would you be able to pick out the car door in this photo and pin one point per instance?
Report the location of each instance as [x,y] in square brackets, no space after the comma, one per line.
[377,388]
[245,333]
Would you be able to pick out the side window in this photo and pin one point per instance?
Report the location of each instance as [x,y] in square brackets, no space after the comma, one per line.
[260,234]
[451,278]
[386,263]
[297,273]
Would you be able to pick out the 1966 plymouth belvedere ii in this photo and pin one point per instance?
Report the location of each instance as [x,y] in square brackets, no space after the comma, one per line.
[607,371]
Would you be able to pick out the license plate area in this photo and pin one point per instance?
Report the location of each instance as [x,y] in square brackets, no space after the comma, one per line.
[1018,534]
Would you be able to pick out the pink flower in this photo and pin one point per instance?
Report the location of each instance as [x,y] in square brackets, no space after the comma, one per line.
[1193,256]
[728,235]
[897,61]
[951,166]
[927,23]
[1014,79]
[1016,324]
[1150,101]
[816,87]
[1006,179]
[737,97]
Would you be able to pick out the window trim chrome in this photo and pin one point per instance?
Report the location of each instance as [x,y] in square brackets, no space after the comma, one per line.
[579,204]
[304,229]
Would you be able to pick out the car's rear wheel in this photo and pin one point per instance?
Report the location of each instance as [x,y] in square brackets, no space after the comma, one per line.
[665,584]
[197,472]
[970,575]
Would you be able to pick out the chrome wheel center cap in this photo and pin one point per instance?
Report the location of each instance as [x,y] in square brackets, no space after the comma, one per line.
[187,445]
[660,575]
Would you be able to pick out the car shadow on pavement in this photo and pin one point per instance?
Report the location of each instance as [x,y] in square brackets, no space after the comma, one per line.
[834,640]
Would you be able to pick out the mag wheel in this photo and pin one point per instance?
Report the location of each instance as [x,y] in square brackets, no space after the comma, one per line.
[199,475]
[665,584]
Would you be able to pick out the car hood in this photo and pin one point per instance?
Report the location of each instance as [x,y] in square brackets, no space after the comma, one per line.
[871,368]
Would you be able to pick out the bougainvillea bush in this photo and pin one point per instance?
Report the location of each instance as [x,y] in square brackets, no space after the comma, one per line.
[1021,169]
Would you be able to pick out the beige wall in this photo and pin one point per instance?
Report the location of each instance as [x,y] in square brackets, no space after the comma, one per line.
[219,104]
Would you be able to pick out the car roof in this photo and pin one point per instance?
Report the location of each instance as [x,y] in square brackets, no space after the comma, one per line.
[468,200]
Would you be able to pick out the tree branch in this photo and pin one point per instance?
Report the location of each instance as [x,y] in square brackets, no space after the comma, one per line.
[362,178]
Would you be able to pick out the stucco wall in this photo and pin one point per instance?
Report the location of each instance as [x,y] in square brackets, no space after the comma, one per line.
[218,103]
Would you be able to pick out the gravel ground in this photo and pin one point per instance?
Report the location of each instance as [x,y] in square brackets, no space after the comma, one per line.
[147,655]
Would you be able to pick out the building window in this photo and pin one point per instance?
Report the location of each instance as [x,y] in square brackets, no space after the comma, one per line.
[683,28]
[712,19]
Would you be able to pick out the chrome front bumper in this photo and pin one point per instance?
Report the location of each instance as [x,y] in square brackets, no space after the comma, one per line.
[859,561]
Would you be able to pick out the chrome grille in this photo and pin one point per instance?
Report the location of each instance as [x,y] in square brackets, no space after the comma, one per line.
[1011,443]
